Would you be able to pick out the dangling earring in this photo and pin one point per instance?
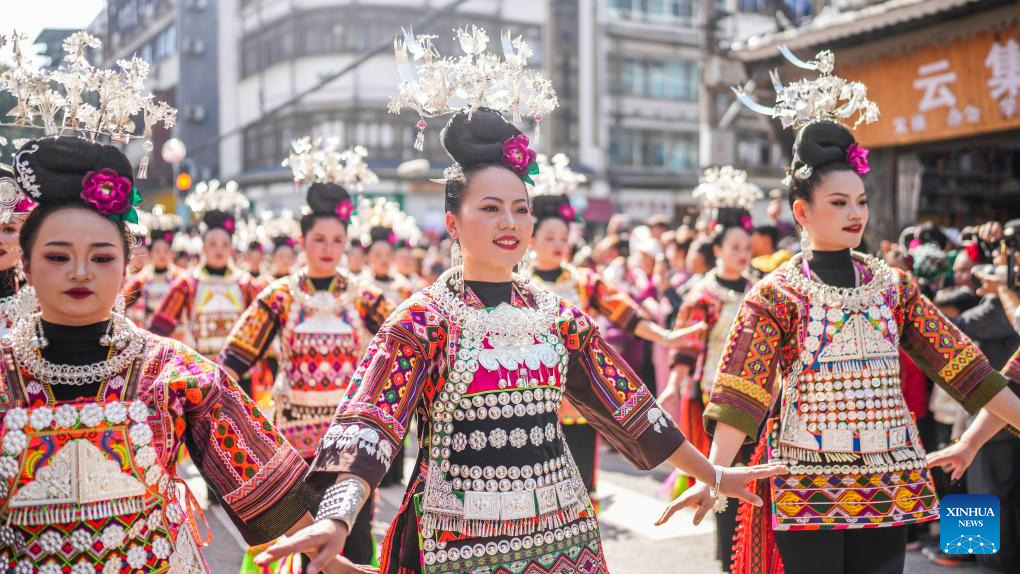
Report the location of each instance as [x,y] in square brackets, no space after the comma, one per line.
[40,341]
[524,267]
[456,258]
[805,245]
[114,330]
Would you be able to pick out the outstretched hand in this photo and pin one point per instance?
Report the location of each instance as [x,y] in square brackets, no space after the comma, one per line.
[955,458]
[677,337]
[323,539]
[734,485]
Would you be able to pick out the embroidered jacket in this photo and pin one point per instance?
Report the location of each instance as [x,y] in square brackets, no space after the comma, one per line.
[112,459]
[842,418]
[145,290]
[501,437]
[319,348]
[205,307]
[586,290]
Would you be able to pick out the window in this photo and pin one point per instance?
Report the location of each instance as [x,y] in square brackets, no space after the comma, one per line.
[662,12]
[661,79]
[665,150]
[754,149]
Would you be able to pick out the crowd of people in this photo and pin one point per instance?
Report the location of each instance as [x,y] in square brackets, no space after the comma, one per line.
[294,356]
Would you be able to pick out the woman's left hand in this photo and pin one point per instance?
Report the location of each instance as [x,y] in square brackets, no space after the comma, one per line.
[677,337]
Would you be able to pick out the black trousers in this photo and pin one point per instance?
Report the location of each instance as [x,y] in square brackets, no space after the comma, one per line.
[994,471]
[856,551]
[583,441]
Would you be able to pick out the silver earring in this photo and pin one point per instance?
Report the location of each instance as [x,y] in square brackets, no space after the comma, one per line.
[114,330]
[40,341]
[524,267]
[456,258]
[805,246]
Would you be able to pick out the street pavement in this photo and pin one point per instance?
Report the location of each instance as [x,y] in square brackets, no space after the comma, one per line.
[629,508]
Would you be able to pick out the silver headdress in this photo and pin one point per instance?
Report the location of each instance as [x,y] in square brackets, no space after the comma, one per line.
[726,186]
[322,160]
[159,220]
[826,97]
[434,86]
[382,212]
[556,177]
[282,224]
[213,196]
[80,99]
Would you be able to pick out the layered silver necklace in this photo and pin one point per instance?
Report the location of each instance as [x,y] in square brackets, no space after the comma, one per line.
[26,351]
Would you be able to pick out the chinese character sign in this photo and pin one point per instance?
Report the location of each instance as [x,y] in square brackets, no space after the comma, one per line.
[963,87]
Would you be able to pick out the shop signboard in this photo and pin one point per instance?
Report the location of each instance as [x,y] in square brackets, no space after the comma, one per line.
[961,88]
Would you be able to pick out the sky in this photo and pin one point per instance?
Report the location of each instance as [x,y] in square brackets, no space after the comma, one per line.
[30,17]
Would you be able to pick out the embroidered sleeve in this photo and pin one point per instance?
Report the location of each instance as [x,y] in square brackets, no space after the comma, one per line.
[374,308]
[620,308]
[945,354]
[745,380]
[693,310]
[133,289]
[384,392]
[612,398]
[257,474]
[176,302]
[255,330]
[1012,372]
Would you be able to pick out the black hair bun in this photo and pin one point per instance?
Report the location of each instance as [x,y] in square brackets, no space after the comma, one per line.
[473,138]
[161,235]
[822,143]
[283,241]
[59,164]
[219,220]
[548,206]
[380,234]
[323,198]
[726,217]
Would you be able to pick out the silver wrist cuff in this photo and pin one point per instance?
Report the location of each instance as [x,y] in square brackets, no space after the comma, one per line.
[343,502]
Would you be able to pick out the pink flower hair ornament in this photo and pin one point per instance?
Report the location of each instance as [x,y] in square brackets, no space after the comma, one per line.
[857,157]
[521,159]
[111,194]
[568,213]
[229,225]
[344,211]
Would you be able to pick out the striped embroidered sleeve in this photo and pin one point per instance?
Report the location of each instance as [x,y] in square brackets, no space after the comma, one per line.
[693,310]
[176,302]
[374,308]
[370,423]
[620,308]
[1012,372]
[610,395]
[945,354]
[742,392]
[257,474]
[257,327]
[133,289]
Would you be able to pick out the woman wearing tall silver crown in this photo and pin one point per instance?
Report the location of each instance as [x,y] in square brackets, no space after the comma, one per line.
[483,358]
[552,205]
[811,373]
[14,208]
[95,412]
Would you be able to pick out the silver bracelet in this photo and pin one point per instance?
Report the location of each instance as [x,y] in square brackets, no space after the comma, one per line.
[342,502]
[720,499]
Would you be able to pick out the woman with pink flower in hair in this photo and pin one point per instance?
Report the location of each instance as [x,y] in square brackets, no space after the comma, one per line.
[145,289]
[550,269]
[202,306]
[320,317]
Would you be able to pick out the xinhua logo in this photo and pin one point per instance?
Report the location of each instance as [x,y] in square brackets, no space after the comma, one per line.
[969,524]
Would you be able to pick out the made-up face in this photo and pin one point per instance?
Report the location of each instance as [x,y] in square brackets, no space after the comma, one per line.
[837,215]
[494,222]
[324,246]
[216,248]
[76,265]
[551,243]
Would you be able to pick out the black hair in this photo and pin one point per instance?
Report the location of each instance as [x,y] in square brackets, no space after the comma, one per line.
[57,166]
[323,200]
[821,146]
[474,140]
[703,246]
[545,207]
[216,219]
[770,231]
[380,234]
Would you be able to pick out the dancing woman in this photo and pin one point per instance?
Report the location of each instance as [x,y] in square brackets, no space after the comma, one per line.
[822,335]
[146,288]
[482,358]
[12,277]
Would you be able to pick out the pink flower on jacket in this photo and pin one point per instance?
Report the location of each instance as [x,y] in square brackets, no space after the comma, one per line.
[516,154]
[344,210]
[106,191]
[857,157]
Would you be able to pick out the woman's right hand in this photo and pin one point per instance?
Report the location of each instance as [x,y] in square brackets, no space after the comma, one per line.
[697,497]
[324,540]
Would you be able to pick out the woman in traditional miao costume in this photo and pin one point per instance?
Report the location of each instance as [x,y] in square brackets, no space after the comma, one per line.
[821,335]
[482,358]
[94,410]
[14,207]
[321,316]
[583,288]
[204,304]
[384,226]
[146,288]
[713,300]
[283,232]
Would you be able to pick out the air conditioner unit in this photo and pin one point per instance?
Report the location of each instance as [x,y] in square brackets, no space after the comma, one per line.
[195,114]
[194,47]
